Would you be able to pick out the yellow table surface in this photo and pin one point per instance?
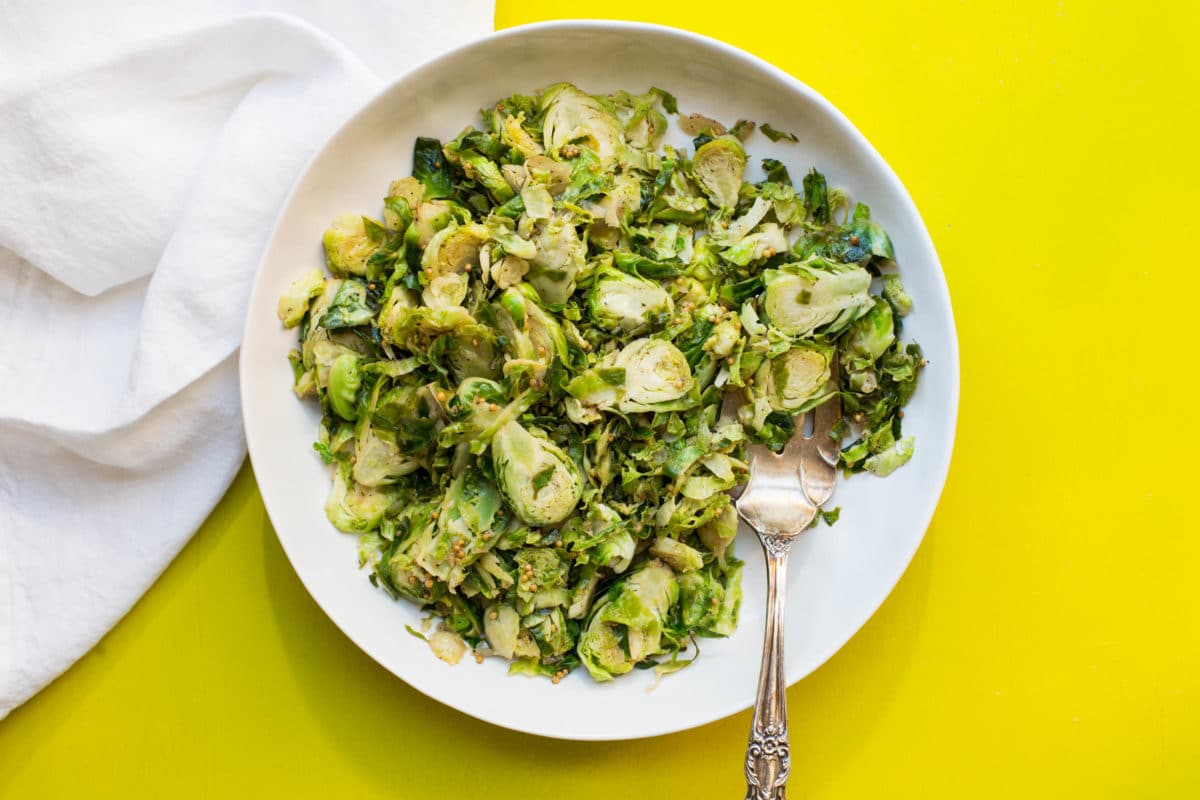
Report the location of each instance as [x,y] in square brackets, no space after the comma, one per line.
[1044,642]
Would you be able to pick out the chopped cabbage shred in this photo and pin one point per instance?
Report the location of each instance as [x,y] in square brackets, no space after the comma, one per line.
[521,363]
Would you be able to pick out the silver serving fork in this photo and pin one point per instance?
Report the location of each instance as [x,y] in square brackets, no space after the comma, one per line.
[781,498]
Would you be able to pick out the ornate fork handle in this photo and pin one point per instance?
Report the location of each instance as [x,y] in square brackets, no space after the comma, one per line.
[768,757]
[782,496]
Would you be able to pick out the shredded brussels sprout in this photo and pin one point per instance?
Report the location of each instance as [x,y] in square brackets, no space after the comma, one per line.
[522,369]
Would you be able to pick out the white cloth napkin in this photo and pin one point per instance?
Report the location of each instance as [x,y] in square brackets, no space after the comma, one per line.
[145,150]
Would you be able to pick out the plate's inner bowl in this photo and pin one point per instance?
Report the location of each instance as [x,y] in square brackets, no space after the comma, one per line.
[839,575]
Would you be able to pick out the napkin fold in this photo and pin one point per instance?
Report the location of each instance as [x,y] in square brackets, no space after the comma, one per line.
[145,151]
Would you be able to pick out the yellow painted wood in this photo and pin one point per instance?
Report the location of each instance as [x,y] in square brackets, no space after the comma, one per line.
[1044,642]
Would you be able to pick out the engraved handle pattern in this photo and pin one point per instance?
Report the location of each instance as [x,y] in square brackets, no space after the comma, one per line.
[768,756]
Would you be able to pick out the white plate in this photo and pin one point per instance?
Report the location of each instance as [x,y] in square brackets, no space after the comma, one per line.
[839,575]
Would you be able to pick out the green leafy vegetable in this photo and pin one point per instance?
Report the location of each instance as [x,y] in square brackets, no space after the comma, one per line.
[776,172]
[742,129]
[816,197]
[668,100]
[324,451]
[776,135]
[521,367]
[430,168]
[718,166]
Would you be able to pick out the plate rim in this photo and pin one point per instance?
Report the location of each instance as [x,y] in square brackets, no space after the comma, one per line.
[847,128]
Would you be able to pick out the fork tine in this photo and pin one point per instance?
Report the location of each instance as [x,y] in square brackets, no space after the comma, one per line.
[819,453]
[827,415]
